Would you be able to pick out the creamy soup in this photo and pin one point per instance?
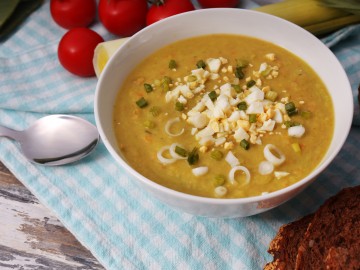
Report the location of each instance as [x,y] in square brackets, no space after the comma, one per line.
[223,116]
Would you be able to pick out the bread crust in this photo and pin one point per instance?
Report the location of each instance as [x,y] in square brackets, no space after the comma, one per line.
[329,239]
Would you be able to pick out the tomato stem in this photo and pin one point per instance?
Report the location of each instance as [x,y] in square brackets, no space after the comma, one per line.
[156,2]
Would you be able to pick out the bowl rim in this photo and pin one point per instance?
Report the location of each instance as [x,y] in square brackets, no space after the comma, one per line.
[222,201]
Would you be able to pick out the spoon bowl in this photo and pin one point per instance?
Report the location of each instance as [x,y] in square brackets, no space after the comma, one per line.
[55,139]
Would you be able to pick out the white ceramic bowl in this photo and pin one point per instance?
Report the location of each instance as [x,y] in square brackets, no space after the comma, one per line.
[232,21]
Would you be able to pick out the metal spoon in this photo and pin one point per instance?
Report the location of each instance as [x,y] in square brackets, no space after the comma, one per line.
[55,139]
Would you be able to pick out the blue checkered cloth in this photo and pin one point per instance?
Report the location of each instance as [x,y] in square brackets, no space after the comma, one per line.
[121,225]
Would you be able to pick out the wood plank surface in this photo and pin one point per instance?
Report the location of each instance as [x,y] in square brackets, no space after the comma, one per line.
[31,237]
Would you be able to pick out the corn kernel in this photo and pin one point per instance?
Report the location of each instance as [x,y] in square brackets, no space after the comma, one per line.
[296,147]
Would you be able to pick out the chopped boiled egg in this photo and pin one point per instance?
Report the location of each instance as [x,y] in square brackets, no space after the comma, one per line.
[198,120]
[214,64]
[255,108]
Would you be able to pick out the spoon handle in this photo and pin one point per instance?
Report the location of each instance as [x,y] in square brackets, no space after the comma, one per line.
[10,133]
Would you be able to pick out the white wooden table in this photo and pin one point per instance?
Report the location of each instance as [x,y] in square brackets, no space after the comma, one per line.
[31,237]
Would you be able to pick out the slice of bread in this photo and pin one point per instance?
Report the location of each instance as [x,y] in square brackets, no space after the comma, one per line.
[327,239]
[284,246]
[332,239]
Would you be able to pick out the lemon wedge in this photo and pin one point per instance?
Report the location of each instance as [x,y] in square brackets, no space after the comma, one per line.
[103,52]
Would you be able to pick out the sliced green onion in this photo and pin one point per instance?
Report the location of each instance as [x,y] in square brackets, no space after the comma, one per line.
[148,87]
[289,124]
[201,64]
[306,114]
[149,124]
[296,147]
[142,102]
[191,78]
[250,83]
[213,95]
[242,63]
[245,144]
[179,106]
[271,95]
[291,113]
[165,83]
[165,86]
[266,71]
[172,64]
[155,111]
[242,106]
[291,108]
[239,73]
[167,79]
[252,118]
[193,156]
[216,154]
[180,151]
[219,180]
[237,88]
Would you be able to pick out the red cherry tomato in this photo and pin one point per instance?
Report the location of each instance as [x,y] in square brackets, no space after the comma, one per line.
[73,13]
[218,3]
[76,51]
[123,17]
[162,9]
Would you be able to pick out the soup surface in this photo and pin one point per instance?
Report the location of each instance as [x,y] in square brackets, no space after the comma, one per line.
[223,116]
